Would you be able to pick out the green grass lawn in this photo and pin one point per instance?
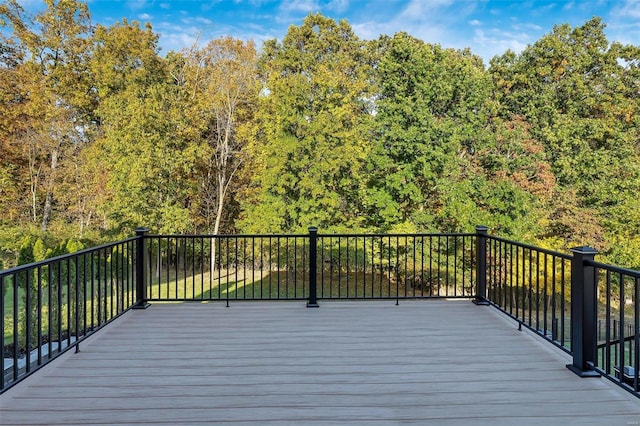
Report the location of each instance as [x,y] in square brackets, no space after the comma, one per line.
[267,285]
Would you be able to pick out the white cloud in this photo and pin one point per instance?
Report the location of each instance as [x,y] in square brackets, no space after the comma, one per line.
[177,41]
[478,24]
[145,17]
[628,8]
[623,24]
[434,21]
[544,10]
[254,3]
[526,26]
[419,9]
[291,10]
[338,5]
[198,20]
[305,6]
[495,41]
[416,18]
[136,4]
[188,32]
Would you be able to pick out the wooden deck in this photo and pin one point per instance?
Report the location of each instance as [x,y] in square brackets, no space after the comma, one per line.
[423,362]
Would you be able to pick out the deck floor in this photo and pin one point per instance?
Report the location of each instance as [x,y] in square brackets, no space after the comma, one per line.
[422,362]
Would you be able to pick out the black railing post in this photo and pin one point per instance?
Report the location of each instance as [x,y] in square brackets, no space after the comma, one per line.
[141,269]
[583,313]
[313,267]
[481,265]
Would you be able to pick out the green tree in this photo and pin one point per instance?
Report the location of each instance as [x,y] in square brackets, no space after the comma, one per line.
[143,147]
[314,123]
[519,178]
[433,123]
[579,94]
[149,165]
[13,164]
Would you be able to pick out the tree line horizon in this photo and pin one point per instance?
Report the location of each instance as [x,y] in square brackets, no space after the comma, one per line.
[99,135]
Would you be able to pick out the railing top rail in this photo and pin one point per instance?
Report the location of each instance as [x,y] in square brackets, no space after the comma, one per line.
[385,235]
[20,268]
[612,268]
[340,235]
[239,236]
[532,247]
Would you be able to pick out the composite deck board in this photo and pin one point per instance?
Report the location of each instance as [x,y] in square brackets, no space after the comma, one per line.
[358,363]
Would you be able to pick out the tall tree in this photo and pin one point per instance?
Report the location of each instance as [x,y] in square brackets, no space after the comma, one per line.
[56,100]
[124,64]
[433,121]
[313,138]
[142,148]
[579,94]
[222,86]
[13,164]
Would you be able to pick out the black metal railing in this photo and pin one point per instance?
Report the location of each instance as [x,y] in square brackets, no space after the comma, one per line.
[396,266]
[531,285]
[49,307]
[618,311]
[589,309]
[226,267]
[277,267]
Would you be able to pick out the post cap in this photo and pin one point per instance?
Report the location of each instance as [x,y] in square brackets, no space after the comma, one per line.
[313,229]
[584,250]
[482,229]
[141,230]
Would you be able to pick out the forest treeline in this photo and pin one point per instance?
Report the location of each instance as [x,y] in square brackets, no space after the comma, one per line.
[100,134]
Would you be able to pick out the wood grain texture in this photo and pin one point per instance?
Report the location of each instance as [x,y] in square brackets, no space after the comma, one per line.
[359,363]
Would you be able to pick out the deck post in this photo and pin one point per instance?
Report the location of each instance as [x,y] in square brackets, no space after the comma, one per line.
[313,267]
[583,313]
[141,269]
[481,265]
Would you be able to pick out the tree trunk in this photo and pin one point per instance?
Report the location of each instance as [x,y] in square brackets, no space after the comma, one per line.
[216,225]
[46,213]
[221,194]
[34,176]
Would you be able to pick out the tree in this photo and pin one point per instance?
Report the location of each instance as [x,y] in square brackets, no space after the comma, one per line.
[143,147]
[14,120]
[222,84]
[433,111]
[47,56]
[515,164]
[579,94]
[149,164]
[314,122]
[125,54]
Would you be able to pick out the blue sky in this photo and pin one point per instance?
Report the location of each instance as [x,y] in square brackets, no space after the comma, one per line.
[488,27]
